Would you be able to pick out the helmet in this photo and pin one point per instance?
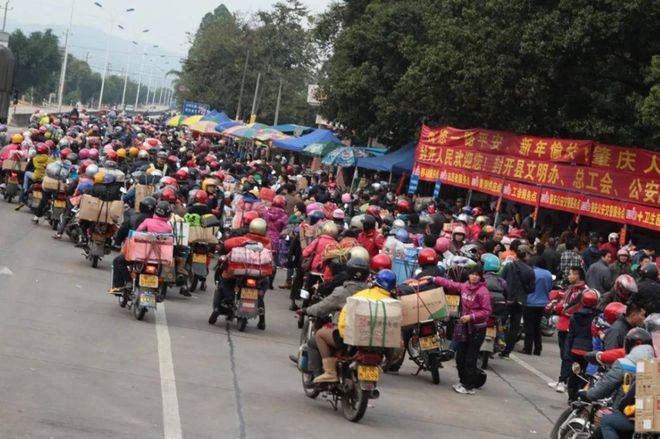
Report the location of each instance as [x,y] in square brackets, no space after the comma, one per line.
[402,235]
[148,205]
[279,201]
[652,323]
[373,211]
[403,205]
[463,217]
[613,310]
[359,252]
[312,207]
[111,155]
[636,337]
[94,154]
[358,268]
[172,159]
[590,298]
[72,157]
[142,154]
[201,197]
[491,262]
[110,164]
[613,237]
[399,224]
[258,226]
[470,251]
[329,228]
[458,231]
[121,153]
[481,220]
[91,170]
[161,155]
[99,177]
[65,152]
[168,195]
[477,211]
[338,214]
[625,286]
[380,262]
[163,209]
[650,271]
[368,223]
[167,181]
[133,151]
[623,252]
[84,154]
[181,175]
[42,149]
[442,245]
[315,217]
[356,222]
[249,216]
[17,138]
[346,198]
[109,179]
[427,256]
[386,279]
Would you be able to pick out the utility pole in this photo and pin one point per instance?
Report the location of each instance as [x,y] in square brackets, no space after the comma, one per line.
[137,94]
[253,117]
[60,91]
[240,93]
[4,19]
[277,106]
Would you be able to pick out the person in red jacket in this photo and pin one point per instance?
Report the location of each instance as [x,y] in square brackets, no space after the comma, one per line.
[570,305]
[612,246]
[370,238]
[223,298]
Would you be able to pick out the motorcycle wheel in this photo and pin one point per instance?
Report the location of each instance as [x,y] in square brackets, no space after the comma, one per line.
[123,300]
[482,360]
[138,311]
[566,428]
[242,323]
[435,369]
[95,261]
[354,401]
[310,392]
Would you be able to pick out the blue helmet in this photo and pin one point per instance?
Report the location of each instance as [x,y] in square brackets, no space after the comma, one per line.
[386,279]
[491,262]
[316,216]
[402,235]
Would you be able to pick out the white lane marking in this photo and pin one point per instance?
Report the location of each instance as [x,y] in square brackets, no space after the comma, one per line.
[5,270]
[546,379]
[171,417]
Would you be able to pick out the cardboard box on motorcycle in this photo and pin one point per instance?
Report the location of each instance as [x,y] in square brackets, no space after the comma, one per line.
[647,396]
[423,306]
[373,323]
[96,210]
[14,165]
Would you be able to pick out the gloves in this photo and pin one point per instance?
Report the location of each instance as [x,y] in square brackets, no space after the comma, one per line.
[582,396]
[592,357]
[300,312]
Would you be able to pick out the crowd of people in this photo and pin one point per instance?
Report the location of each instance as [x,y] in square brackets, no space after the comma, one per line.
[347,241]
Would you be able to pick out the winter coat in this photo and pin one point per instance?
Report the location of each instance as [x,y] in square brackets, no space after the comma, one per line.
[615,336]
[276,219]
[520,280]
[572,303]
[155,225]
[579,331]
[475,299]
[336,301]
[542,288]
[372,241]
[610,384]
[246,203]
[40,161]
[599,277]
[590,256]
[648,294]
[317,248]
[611,248]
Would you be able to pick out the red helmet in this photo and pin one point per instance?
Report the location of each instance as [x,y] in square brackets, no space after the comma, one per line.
[191,163]
[219,175]
[403,205]
[65,152]
[168,195]
[290,170]
[613,311]
[43,129]
[442,245]
[380,262]
[168,181]
[172,160]
[249,216]
[42,149]
[181,175]
[111,155]
[590,298]
[625,286]
[427,256]
[50,144]
[213,165]
[477,211]
[373,211]
[201,197]
[279,201]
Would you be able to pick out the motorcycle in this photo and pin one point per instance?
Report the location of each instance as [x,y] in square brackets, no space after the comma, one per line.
[197,265]
[99,242]
[12,186]
[144,295]
[246,300]
[427,345]
[57,208]
[34,196]
[496,329]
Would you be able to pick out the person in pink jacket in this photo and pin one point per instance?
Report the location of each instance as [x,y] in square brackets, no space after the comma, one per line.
[470,330]
[277,220]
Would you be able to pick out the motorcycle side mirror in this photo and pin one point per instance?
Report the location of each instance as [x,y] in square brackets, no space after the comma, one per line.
[576,368]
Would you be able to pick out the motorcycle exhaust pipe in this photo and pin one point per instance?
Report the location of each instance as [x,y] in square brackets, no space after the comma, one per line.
[374,394]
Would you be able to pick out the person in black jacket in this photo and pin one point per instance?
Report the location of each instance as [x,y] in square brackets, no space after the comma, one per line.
[520,281]
[146,210]
[579,336]
[633,318]
[648,289]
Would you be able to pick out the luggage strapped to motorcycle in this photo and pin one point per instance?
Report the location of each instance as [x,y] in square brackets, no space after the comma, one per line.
[373,319]
[153,239]
[420,300]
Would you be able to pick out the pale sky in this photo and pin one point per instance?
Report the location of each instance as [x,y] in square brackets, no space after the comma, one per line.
[168,20]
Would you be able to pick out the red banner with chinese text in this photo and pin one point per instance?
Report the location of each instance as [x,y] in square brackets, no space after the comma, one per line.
[596,181]
[637,161]
[509,144]
[559,200]
[521,193]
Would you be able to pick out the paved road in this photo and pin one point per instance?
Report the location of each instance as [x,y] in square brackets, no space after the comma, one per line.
[75,365]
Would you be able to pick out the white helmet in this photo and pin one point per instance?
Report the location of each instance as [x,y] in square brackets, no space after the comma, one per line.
[613,236]
[142,154]
[91,170]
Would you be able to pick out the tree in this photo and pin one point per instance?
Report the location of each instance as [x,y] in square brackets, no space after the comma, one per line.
[38,62]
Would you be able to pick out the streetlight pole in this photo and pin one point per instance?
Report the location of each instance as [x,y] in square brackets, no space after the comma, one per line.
[277,106]
[240,93]
[123,93]
[137,95]
[60,90]
[253,117]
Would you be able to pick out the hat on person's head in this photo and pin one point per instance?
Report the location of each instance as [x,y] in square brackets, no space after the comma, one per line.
[293,219]
[525,249]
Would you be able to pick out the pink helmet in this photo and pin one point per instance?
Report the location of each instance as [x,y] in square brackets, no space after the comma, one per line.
[313,207]
[84,154]
[442,245]
[346,198]
[338,214]
[94,154]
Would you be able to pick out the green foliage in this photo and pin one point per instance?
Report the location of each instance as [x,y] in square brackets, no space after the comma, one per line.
[572,68]
[280,46]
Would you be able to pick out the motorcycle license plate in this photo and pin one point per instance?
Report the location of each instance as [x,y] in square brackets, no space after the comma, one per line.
[59,204]
[199,258]
[97,237]
[249,294]
[148,300]
[452,304]
[368,373]
[148,281]
[427,343]
[491,332]
[13,180]
[37,195]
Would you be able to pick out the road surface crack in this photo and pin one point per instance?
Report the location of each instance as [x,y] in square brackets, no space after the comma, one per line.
[237,387]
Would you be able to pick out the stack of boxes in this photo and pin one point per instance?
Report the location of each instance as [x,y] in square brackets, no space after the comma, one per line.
[647,396]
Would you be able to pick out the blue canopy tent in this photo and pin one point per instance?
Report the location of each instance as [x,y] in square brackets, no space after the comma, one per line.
[226,125]
[217,117]
[292,129]
[297,144]
[398,161]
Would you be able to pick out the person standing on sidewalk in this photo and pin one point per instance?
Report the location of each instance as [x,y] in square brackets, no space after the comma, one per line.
[535,307]
[521,282]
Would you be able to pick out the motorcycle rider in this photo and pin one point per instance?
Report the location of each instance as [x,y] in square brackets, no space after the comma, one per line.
[621,265]
[633,317]
[329,338]
[370,238]
[223,298]
[648,289]
[146,210]
[35,171]
[624,287]
[579,340]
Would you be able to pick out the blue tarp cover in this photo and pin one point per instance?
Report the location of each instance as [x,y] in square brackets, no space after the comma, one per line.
[317,136]
[290,128]
[401,160]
